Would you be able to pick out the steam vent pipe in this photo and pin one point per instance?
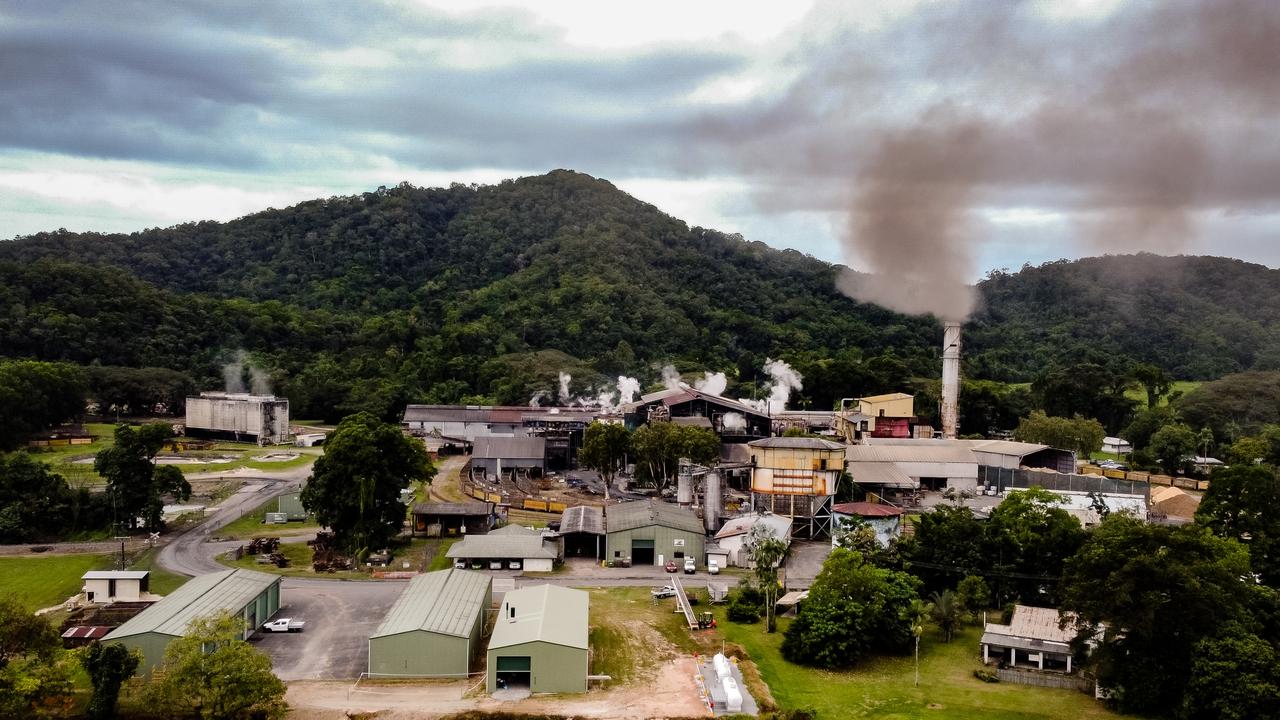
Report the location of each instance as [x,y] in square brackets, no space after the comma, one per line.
[950,378]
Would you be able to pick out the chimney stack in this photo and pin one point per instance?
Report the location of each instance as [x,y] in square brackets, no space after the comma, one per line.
[950,378]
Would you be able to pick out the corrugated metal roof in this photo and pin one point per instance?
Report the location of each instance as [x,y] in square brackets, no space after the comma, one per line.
[582,518]
[445,602]
[938,452]
[501,546]
[446,413]
[115,575]
[780,525]
[204,595]
[797,443]
[879,473]
[1035,623]
[641,513]
[886,397]
[1006,447]
[513,448]
[866,509]
[543,613]
[516,530]
[454,508]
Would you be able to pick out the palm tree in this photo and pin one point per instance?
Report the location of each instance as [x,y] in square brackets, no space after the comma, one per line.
[918,611]
[946,612]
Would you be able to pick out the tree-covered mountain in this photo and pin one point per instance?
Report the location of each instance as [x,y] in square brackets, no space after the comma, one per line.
[485,293]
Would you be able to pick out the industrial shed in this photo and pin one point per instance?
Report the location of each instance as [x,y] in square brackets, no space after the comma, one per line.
[457,518]
[732,420]
[582,531]
[109,586]
[251,595]
[435,627]
[495,455]
[263,419]
[933,464]
[540,640]
[509,548]
[733,535]
[650,532]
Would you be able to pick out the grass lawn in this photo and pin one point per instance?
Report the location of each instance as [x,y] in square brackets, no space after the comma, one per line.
[161,582]
[40,581]
[250,524]
[884,687]
[1140,394]
[630,632]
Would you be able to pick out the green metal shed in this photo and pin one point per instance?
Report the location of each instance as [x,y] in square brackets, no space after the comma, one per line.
[651,532]
[435,627]
[252,595]
[540,640]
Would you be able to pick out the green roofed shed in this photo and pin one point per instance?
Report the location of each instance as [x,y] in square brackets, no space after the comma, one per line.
[254,596]
[651,532]
[435,627]
[539,640]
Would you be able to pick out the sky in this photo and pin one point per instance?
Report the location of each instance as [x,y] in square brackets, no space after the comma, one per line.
[936,140]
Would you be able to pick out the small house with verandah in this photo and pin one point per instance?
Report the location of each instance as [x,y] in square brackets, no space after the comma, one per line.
[1036,638]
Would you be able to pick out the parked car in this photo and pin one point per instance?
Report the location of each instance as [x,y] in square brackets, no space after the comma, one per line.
[665,591]
[670,566]
[713,567]
[284,625]
[514,565]
[495,564]
[460,564]
[690,567]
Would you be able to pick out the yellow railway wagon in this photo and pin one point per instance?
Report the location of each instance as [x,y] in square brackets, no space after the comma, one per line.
[556,507]
[1202,484]
[1161,480]
[532,504]
[1091,470]
[1140,476]
[1117,474]
[494,498]
[479,494]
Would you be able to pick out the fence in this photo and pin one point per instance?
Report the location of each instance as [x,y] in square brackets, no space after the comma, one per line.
[1019,676]
[1021,479]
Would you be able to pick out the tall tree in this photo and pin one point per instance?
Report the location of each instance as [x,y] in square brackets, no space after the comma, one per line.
[33,682]
[1173,446]
[354,489]
[35,396]
[108,667]
[946,613]
[34,502]
[604,449]
[212,674]
[1154,379]
[138,486]
[766,551]
[659,446]
[1243,503]
[1084,436]
[1235,676]
[1151,593]
[1029,539]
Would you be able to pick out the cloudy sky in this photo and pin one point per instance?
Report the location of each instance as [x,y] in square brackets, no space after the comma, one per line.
[964,135]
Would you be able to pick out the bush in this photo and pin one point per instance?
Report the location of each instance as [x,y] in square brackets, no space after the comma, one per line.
[987,676]
[742,610]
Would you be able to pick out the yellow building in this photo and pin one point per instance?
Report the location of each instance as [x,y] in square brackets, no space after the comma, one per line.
[796,477]
[894,405]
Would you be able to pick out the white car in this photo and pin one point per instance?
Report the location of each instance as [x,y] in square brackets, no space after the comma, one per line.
[460,564]
[690,567]
[713,567]
[284,625]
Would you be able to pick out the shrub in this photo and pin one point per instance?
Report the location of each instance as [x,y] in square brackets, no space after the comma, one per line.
[987,676]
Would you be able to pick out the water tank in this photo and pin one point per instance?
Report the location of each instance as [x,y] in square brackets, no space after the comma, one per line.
[721,664]
[732,695]
[712,503]
[684,486]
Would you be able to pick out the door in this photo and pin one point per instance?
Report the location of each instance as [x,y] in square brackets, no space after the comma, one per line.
[642,552]
[513,671]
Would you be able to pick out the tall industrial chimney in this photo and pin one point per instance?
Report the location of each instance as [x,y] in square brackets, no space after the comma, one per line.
[950,378]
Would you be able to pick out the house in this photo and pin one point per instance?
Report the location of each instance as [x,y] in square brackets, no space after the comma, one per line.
[885,519]
[251,595]
[496,455]
[437,519]
[539,641]
[435,627]
[510,547]
[1116,446]
[1032,639]
[649,532]
[733,535]
[109,586]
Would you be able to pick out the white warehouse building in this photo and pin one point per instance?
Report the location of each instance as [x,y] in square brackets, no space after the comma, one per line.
[263,419]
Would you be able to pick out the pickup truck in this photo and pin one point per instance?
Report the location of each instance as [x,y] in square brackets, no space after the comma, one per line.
[284,625]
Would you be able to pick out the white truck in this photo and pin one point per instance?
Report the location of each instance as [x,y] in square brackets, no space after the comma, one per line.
[284,625]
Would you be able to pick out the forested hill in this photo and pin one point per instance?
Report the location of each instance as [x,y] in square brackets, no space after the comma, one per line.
[485,293]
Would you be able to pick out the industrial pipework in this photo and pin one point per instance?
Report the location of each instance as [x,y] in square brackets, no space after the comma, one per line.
[950,378]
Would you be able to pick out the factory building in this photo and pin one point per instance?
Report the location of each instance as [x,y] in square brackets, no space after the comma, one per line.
[539,641]
[892,415]
[582,531]
[796,477]
[735,422]
[931,464]
[650,533]
[263,419]
[250,595]
[732,538]
[434,629]
[498,455]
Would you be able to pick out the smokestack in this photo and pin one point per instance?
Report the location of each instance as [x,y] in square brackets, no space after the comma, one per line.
[950,378]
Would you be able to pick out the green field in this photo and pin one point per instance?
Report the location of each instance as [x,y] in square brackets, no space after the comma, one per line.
[250,525]
[884,687]
[40,581]
[1182,386]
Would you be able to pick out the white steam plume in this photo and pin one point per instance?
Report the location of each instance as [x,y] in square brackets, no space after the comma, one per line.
[734,421]
[783,380]
[233,376]
[670,378]
[565,379]
[712,383]
[538,398]
[628,389]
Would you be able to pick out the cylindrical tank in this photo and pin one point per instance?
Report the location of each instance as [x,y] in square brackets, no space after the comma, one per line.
[732,695]
[711,501]
[684,486]
[721,664]
[950,378]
